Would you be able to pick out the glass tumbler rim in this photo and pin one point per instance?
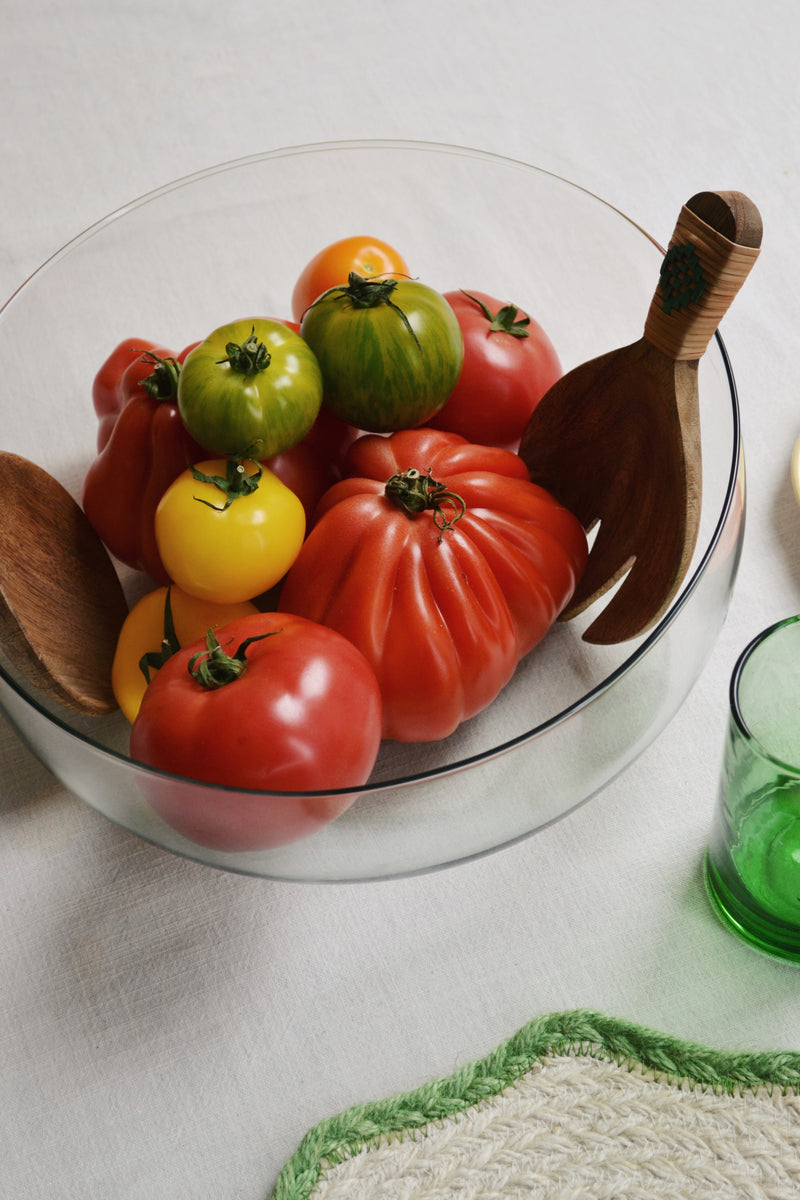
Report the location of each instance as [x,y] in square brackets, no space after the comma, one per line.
[735,706]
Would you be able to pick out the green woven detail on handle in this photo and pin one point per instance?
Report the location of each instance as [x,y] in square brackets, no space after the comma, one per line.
[682,279]
[582,1032]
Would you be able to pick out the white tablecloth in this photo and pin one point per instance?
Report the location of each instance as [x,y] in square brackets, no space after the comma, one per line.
[169,1031]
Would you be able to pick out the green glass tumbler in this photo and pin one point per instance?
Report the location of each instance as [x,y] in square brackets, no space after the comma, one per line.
[752,863]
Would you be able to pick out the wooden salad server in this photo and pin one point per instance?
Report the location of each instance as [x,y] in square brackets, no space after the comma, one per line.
[61,601]
[617,440]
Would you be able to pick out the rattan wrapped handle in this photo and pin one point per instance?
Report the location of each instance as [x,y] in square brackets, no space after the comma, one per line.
[716,241]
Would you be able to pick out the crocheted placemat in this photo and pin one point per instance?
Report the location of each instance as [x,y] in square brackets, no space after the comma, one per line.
[575,1106]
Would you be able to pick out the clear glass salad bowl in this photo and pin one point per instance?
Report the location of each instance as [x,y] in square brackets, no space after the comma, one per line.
[229,242]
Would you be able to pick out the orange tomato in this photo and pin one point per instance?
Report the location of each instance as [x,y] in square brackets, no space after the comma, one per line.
[367,256]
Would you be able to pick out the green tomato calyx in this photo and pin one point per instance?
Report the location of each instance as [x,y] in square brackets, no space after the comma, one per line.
[415,493]
[213,668]
[153,660]
[248,358]
[505,320]
[162,382]
[236,482]
[369,293]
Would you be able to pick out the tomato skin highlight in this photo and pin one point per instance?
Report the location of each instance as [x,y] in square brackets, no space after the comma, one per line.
[258,413]
[304,716]
[503,377]
[331,266]
[386,366]
[465,604]
[232,554]
[143,630]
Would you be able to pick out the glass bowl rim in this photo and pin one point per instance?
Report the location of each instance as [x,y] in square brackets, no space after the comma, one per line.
[556,719]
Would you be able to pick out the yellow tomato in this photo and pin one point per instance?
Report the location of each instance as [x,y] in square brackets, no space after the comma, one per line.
[143,632]
[232,546]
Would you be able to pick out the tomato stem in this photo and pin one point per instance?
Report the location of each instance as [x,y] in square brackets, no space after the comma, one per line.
[505,320]
[248,358]
[213,668]
[369,293]
[155,659]
[234,483]
[162,383]
[415,493]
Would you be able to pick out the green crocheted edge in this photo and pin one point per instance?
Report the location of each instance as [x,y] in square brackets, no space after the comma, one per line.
[580,1031]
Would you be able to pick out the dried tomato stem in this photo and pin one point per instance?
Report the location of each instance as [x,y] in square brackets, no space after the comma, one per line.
[153,660]
[415,493]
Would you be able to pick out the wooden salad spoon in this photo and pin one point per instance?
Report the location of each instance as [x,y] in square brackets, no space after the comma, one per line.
[617,440]
[61,602]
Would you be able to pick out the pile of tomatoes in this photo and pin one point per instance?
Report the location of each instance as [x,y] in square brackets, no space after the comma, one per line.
[344,544]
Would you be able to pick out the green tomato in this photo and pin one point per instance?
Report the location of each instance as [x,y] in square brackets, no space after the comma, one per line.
[252,388]
[390,351]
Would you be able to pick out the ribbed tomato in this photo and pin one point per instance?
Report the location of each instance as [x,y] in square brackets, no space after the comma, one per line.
[142,447]
[444,564]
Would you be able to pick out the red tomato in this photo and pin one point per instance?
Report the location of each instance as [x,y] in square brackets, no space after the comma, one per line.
[143,447]
[442,602]
[305,472]
[509,364]
[304,715]
[329,268]
[315,464]
[331,438]
[107,394]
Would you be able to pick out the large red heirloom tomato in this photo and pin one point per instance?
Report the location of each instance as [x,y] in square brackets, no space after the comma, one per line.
[444,564]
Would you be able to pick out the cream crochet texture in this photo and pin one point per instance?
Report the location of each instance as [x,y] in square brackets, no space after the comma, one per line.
[576,1106]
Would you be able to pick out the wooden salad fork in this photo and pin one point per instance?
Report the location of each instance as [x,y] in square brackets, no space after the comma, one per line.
[617,440]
